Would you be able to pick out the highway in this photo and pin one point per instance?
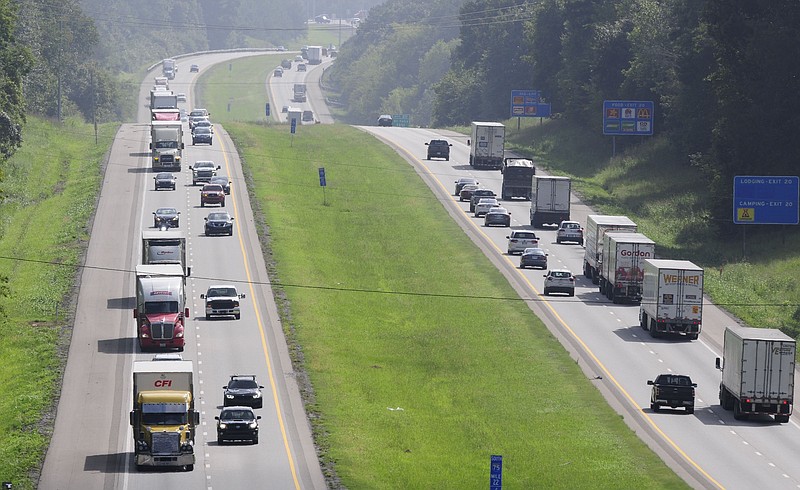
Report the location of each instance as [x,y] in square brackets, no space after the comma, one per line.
[708,449]
[92,446]
[280,91]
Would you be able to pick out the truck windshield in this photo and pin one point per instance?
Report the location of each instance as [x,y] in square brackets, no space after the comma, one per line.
[164,418]
[154,307]
[166,144]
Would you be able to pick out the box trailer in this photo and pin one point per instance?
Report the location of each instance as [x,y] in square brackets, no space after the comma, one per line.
[672,298]
[622,271]
[597,226]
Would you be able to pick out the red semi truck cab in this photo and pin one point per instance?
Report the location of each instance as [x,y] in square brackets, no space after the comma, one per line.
[161,310]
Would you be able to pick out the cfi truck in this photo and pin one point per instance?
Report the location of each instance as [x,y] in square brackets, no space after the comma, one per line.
[165,247]
[517,178]
[166,144]
[161,310]
[622,270]
[757,373]
[597,226]
[164,419]
[550,200]
[672,298]
[487,145]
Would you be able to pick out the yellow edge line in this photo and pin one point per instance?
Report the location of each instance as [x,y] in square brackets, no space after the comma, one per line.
[261,328]
[575,336]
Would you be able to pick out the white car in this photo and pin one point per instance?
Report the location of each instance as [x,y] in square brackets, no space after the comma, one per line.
[559,281]
[222,300]
[181,97]
[519,240]
[484,205]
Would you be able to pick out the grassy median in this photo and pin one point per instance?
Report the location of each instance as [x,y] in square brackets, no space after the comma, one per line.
[423,360]
[48,193]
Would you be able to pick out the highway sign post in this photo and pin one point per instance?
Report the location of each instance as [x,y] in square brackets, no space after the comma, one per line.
[627,118]
[496,473]
[323,183]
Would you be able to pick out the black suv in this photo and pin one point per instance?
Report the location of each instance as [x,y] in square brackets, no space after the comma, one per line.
[672,390]
[385,120]
[242,390]
[237,424]
[477,195]
[439,149]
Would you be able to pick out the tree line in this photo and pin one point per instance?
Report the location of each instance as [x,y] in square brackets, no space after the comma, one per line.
[722,73]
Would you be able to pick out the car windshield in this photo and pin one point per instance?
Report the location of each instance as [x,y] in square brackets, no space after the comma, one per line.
[164,176]
[221,291]
[163,211]
[212,188]
[202,130]
[155,307]
[218,217]
[242,384]
[236,415]
[204,165]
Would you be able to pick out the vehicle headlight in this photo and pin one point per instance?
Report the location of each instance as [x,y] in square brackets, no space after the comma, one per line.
[223,425]
[253,424]
[229,397]
[257,395]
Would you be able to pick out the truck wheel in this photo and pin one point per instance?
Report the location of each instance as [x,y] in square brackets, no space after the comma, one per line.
[255,440]
[202,204]
[737,411]
[652,329]
[690,409]
[189,467]
[239,316]
[223,204]
[447,159]
[558,241]
[725,399]
[693,336]
[654,407]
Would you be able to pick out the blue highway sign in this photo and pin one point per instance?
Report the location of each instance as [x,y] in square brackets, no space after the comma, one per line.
[766,200]
[628,117]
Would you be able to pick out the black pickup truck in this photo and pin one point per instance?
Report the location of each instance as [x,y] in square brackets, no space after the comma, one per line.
[672,390]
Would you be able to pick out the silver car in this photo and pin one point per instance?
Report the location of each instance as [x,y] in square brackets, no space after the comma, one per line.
[484,205]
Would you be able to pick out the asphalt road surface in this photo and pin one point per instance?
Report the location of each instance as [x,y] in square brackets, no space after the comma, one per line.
[92,446]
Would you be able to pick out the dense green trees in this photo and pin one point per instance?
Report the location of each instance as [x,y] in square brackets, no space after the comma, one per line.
[14,64]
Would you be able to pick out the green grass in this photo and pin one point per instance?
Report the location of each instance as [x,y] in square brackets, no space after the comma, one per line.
[416,383]
[236,91]
[49,190]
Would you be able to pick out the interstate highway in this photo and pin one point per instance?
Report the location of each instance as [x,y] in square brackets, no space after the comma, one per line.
[92,445]
[708,449]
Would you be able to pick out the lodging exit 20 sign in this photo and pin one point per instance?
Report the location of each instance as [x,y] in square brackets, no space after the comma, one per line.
[766,200]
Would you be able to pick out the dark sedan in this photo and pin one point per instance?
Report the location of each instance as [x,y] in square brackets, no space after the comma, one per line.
[219,224]
[165,180]
[466,192]
[223,181]
[237,424]
[497,216]
[533,257]
[460,183]
[202,135]
[477,195]
[169,217]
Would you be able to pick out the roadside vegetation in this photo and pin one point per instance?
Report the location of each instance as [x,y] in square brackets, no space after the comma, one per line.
[421,367]
[49,190]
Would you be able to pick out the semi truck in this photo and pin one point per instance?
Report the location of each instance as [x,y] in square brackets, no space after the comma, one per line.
[596,227]
[487,145]
[314,55]
[672,298]
[299,91]
[549,200]
[166,144]
[169,67]
[164,419]
[622,271]
[163,99]
[757,373]
[161,310]
[165,247]
[517,178]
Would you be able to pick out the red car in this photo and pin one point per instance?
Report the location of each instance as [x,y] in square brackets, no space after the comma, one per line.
[212,194]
